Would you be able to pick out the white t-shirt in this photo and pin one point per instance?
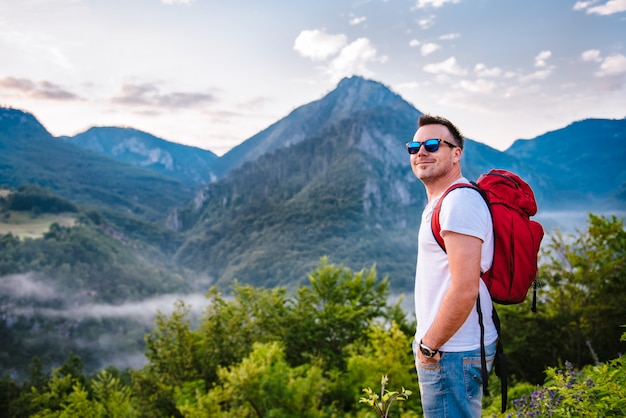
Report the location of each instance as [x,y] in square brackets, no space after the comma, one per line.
[463,211]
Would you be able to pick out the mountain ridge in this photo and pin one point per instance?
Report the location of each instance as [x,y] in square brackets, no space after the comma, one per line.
[187,164]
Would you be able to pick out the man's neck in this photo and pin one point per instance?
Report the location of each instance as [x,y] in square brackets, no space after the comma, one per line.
[437,187]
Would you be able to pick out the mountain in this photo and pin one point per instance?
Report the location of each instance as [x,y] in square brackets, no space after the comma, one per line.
[346,190]
[352,95]
[31,155]
[189,165]
[584,162]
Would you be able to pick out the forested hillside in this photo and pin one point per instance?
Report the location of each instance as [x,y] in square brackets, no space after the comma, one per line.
[52,284]
[30,155]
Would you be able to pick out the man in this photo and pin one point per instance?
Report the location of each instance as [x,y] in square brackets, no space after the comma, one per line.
[447,283]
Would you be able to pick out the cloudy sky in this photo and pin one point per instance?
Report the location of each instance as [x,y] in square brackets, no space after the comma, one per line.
[212,73]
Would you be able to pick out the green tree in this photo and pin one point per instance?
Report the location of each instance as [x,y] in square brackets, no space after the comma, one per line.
[171,351]
[231,326]
[333,313]
[581,304]
[387,351]
[261,385]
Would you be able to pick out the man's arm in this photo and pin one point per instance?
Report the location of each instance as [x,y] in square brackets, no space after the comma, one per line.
[464,253]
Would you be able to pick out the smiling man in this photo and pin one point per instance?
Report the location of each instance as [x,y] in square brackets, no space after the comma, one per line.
[447,283]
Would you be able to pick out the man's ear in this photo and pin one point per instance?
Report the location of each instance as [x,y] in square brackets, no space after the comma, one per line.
[458,153]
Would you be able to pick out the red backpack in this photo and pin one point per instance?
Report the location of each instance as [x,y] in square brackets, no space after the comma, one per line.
[517,238]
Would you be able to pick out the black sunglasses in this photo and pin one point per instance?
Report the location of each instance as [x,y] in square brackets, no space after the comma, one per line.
[430,145]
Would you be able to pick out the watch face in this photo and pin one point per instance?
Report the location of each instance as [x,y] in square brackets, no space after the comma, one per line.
[427,351]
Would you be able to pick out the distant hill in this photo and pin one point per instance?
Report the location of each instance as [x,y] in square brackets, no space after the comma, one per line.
[189,165]
[31,155]
[583,163]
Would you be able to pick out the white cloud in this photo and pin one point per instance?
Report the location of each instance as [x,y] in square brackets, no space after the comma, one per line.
[177,1]
[426,22]
[591,55]
[429,48]
[353,59]
[609,8]
[478,86]
[433,3]
[449,67]
[450,36]
[582,5]
[37,90]
[318,45]
[414,43]
[148,94]
[536,76]
[482,70]
[357,20]
[613,65]
[347,59]
[540,59]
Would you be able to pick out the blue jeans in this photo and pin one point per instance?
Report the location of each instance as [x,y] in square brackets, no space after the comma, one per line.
[452,387]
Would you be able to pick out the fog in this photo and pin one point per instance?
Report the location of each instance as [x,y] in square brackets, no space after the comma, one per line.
[24,289]
[571,221]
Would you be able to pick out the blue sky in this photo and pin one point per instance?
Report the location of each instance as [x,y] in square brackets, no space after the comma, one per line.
[212,73]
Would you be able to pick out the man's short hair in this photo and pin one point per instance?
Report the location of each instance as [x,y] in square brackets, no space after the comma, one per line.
[438,120]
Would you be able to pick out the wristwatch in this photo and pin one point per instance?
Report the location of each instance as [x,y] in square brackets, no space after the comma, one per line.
[427,351]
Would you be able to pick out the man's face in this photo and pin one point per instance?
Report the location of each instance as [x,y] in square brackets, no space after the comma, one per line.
[430,166]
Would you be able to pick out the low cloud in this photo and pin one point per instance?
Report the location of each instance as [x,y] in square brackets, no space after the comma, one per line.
[143,311]
[149,95]
[31,294]
[45,90]
[26,286]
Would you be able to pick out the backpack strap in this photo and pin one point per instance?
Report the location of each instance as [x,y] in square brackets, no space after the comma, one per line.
[435,225]
[500,358]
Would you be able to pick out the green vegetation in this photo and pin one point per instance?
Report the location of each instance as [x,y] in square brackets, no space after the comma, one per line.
[29,211]
[30,155]
[309,353]
[60,269]
[272,232]
[382,405]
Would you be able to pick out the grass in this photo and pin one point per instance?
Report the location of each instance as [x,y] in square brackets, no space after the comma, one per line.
[25,225]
